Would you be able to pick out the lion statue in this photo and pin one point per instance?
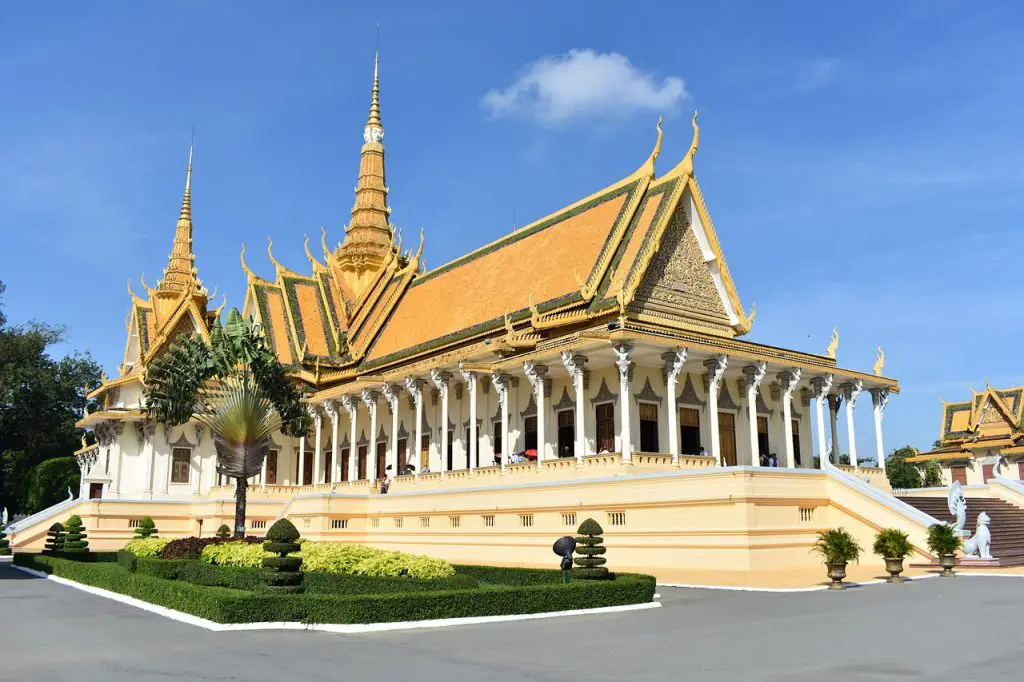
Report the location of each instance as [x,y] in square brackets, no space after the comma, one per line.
[980,546]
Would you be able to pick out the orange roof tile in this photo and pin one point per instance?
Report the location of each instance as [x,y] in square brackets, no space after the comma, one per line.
[275,323]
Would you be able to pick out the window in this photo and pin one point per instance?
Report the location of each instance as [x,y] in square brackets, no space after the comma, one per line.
[382,454]
[424,522]
[806,514]
[530,431]
[345,457]
[727,437]
[763,446]
[307,467]
[339,524]
[401,456]
[451,448]
[986,472]
[455,521]
[959,474]
[605,421]
[271,468]
[526,520]
[616,518]
[488,520]
[689,430]
[134,523]
[424,450]
[568,518]
[95,491]
[796,441]
[399,521]
[469,449]
[258,524]
[375,522]
[648,427]
[497,440]
[362,462]
[328,465]
[180,464]
[566,433]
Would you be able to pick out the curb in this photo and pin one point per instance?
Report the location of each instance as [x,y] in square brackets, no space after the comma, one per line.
[824,588]
[344,629]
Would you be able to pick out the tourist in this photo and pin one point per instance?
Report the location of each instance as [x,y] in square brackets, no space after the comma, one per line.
[425,469]
[703,453]
[385,482]
[764,460]
[773,460]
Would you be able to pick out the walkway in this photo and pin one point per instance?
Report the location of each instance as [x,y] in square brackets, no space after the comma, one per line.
[885,632]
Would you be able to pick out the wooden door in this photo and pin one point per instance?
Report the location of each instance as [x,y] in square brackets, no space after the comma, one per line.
[307,472]
[95,491]
[362,462]
[727,438]
[959,474]
[328,469]
[344,464]
[986,472]
[382,454]
[271,468]
[402,444]
[605,421]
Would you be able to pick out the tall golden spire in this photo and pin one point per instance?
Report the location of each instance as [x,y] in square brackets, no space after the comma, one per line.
[369,235]
[180,273]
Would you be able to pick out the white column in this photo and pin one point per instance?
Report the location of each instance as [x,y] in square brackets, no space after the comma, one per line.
[754,375]
[331,408]
[623,352]
[879,399]
[415,388]
[370,400]
[833,405]
[352,407]
[851,391]
[535,373]
[674,361]
[500,382]
[440,380]
[263,474]
[318,454]
[821,387]
[391,392]
[716,370]
[574,365]
[302,461]
[789,379]
[474,439]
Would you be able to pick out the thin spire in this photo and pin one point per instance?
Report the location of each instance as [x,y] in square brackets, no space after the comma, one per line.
[180,272]
[373,121]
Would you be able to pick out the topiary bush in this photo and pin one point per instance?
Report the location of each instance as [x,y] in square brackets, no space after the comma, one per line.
[282,573]
[223,532]
[74,539]
[146,528]
[589,544]
[5,544]
[54,539]
[146,547]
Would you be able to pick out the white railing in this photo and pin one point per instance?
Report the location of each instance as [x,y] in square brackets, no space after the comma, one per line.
[29,521]
[886,500]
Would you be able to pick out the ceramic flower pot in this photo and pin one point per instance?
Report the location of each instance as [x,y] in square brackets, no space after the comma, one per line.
[947,562]
[837,572]
[894,567]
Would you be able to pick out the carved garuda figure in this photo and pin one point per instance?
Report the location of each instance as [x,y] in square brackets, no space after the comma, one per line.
[957,505]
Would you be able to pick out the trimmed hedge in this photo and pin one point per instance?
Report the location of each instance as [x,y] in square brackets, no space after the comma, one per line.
[225,605]
[315,582]
[498,575]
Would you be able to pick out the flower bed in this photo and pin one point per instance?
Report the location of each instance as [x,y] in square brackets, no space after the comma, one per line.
[228,605]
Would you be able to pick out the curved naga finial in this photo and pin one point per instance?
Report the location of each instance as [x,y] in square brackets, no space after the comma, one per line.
[957,504]
[685,167]
[270,253]
[508,325]
[245,268]
[879,362]
[648,167]
[309,256]
[323,244]
[149,290]
[219,309]
[833,344]
[130,292]
[748,323]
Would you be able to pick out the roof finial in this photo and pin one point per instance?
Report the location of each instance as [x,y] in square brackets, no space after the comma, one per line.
[685,167]
[180,273]
[648,167]
[374,119]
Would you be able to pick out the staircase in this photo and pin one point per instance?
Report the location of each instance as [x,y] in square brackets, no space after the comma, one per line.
[1006,523]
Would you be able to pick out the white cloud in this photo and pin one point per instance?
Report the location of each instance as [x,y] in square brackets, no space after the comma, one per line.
[816,74]
[583,84]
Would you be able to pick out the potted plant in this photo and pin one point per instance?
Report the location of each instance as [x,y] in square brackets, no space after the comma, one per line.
[943,541]
[893,546]
[838,548]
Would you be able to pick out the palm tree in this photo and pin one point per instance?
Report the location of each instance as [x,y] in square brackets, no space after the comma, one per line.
[235,386]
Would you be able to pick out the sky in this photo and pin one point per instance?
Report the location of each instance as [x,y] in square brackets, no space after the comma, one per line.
[861,161]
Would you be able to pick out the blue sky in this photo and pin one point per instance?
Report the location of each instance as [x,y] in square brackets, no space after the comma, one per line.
[862,161]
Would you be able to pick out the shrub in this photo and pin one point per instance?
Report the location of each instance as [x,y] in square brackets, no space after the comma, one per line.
[497,575]
[943,539]
[244,554]
[192,547]
[282,573]
[55,539]
[837,546]
[589,544]
[128,560]
[334,557]
[5,544]
[223,532]
[902,474]
[225,605]
[146,547]
[74,540]
[932,474]
[47,483]
[146,528]
[398,564]
[892,543]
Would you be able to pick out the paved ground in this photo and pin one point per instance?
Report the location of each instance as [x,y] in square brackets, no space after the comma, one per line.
[935,629]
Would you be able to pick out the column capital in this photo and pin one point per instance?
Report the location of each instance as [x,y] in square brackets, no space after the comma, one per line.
[880,397]
[390,392]
[467,376]
[331,408]
[415,387]
[789,379]
[716,370]
[754,374]
[369,398]
[623,352]
[574,363]
[851,390]
[535,373]
[674,361]
[821,386]
[350,403]
[440,379]
[834,400]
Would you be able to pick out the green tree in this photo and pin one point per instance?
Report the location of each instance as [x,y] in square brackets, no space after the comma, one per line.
[41,398]
[932,474]
[590,545]
[235,386]
[146,528]
[47,483]
[74,536]
[902,474]
[223,532]
[5,544]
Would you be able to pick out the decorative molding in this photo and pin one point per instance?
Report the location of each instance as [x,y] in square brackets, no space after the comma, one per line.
[382,437]
[715,371]
[485,384]
[479,423]
[574,364]
[182,442]
[390,392]
[604,395]
[331,409]
[402,433]
[674,361]
[346,444]
[535,374]
[350,404]
[647,394]
[531,408]
[880,398]
[363,440]
[725,401]
[108,431]
[565,402]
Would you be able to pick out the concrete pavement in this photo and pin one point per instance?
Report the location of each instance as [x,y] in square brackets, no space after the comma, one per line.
[936,629]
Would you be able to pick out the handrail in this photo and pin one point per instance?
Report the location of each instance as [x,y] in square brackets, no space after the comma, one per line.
[889,501]
[43,515]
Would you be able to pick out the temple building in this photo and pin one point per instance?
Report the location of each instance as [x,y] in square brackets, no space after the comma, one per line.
[981,438]
[501,391]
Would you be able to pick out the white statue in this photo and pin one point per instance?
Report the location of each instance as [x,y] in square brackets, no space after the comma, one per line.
[980,546]
[71,495]
[3,518]
[958,505]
